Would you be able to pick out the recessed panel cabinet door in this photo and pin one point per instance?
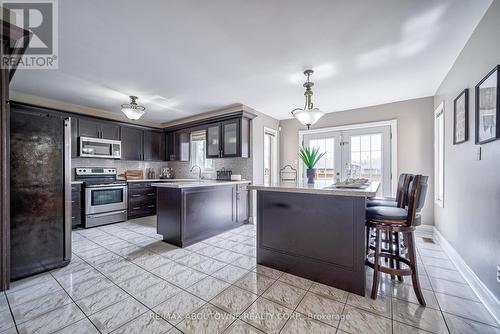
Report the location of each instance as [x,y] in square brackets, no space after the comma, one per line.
[89,128]
[154,148]
[213,141]
[132,143]
[110,131]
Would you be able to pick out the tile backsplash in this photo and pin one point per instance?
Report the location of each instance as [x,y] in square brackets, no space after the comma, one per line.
[181,168]
[120,165]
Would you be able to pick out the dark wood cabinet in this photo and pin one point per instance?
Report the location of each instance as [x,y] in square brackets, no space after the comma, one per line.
[229,138]
[154,145]
[178,145]
[98,129]
[141,199]
[74,137]
[132,143]
[76,205]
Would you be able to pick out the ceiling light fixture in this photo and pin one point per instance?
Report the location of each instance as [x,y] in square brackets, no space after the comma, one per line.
[133,110]
[308,115]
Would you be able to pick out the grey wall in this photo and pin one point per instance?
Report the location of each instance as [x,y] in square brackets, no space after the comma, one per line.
[470,219]
[415,137]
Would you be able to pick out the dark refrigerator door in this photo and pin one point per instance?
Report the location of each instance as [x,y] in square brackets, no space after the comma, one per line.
[38,231]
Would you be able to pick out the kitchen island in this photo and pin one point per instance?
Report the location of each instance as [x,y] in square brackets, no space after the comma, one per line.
[191,211]
[314,231]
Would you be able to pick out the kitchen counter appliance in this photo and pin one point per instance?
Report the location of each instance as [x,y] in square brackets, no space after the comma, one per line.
[105,197]
[100,148]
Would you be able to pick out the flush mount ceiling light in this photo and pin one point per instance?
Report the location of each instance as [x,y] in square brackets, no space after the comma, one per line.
[133,110]
[308,115]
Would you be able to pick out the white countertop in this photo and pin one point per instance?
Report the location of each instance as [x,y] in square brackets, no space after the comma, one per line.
[320,187]
[161,180]
[197,183]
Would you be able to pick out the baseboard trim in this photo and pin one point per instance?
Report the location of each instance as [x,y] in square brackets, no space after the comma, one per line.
[488,299]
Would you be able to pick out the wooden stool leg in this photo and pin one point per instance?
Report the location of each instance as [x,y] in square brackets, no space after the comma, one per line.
[376,264]
[398,265]
[391,251]
[413,265]
[368,231]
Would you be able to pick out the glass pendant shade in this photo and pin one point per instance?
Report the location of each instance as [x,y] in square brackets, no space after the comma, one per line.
[307,117]
[133,110]
[133,113]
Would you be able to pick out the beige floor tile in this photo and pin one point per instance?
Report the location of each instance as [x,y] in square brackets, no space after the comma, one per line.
[380,306]
[459,325]
[321,308]
[52,321]
[208,319]
[355,320]
[297,281]
[266,315]
[255,283]
[208,288]
[418,316]
[149,323]
[240,327]
[176,308]
[116,315]
[465,308]
[234,300]
[299,324]
[329,292]
[284,294]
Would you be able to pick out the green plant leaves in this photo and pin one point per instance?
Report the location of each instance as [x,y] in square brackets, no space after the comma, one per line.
[310,156]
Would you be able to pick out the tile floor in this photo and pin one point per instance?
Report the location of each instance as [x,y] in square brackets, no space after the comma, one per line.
[124,279]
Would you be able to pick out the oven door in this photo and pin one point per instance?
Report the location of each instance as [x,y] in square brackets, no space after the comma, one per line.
[105,199]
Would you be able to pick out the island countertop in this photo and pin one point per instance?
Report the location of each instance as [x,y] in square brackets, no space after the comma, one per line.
[320,187]
[197,183]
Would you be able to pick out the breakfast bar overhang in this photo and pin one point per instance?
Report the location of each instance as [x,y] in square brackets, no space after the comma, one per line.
[314,231]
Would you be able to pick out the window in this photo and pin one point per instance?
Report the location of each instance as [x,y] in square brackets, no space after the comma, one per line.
[439,155]
[325,165]
[198,151]
[366,152]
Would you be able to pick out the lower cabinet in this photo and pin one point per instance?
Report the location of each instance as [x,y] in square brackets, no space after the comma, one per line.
[242,203]
[141,199]
[76,205]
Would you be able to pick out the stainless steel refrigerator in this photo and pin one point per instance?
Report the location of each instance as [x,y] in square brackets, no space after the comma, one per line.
[40,183]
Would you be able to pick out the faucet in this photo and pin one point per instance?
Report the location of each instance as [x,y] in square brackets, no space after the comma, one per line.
[199,174]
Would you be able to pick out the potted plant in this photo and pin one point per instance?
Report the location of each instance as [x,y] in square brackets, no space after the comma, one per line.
[310,157]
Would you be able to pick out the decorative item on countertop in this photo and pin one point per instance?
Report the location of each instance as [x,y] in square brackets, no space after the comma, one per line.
[133,174]
[235,177]
[151,173]
[224,174]
[288,174]
[310,157]
[166,173]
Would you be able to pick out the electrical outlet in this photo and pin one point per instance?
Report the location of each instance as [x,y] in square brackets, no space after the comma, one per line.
[498,273]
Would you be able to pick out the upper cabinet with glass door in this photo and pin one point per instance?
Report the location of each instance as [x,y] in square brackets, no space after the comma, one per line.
[229,138]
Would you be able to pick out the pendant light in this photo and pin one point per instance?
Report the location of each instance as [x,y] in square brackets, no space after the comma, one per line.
[308,115]
[133,110]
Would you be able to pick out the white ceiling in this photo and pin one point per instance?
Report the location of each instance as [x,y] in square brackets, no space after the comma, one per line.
[187,57]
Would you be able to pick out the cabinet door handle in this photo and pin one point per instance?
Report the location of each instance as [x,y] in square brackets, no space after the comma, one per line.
[136,208]
[151,194]
[151,206]
[136,195]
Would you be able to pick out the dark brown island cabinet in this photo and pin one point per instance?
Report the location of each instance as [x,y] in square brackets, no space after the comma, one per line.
[141,199]
[190,212]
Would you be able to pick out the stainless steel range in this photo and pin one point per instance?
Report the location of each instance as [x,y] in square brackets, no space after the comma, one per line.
[105,197]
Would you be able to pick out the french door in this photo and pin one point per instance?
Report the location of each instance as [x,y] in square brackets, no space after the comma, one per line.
[367,149]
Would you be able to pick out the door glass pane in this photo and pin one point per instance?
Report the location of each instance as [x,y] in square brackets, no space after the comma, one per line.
[106,196]
[230,138]
[366,152]
[213,141]
[325,166]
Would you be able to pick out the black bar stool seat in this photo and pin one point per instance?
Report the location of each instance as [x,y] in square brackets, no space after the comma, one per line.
[381,201]
[388,214]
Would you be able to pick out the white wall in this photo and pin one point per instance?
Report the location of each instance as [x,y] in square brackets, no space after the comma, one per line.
[470,219]
[415,137]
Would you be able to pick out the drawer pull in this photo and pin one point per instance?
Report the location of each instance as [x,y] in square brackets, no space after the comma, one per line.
[151,194]
[136,195]
[151,206]
[136,208]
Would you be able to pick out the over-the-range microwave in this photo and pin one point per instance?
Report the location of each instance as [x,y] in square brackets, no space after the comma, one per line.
[100,148]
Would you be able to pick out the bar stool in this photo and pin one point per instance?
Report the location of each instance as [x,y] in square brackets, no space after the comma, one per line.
[401,192]
[392,221]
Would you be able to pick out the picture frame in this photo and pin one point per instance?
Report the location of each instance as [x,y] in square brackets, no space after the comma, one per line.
[461,118]
[487,115]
